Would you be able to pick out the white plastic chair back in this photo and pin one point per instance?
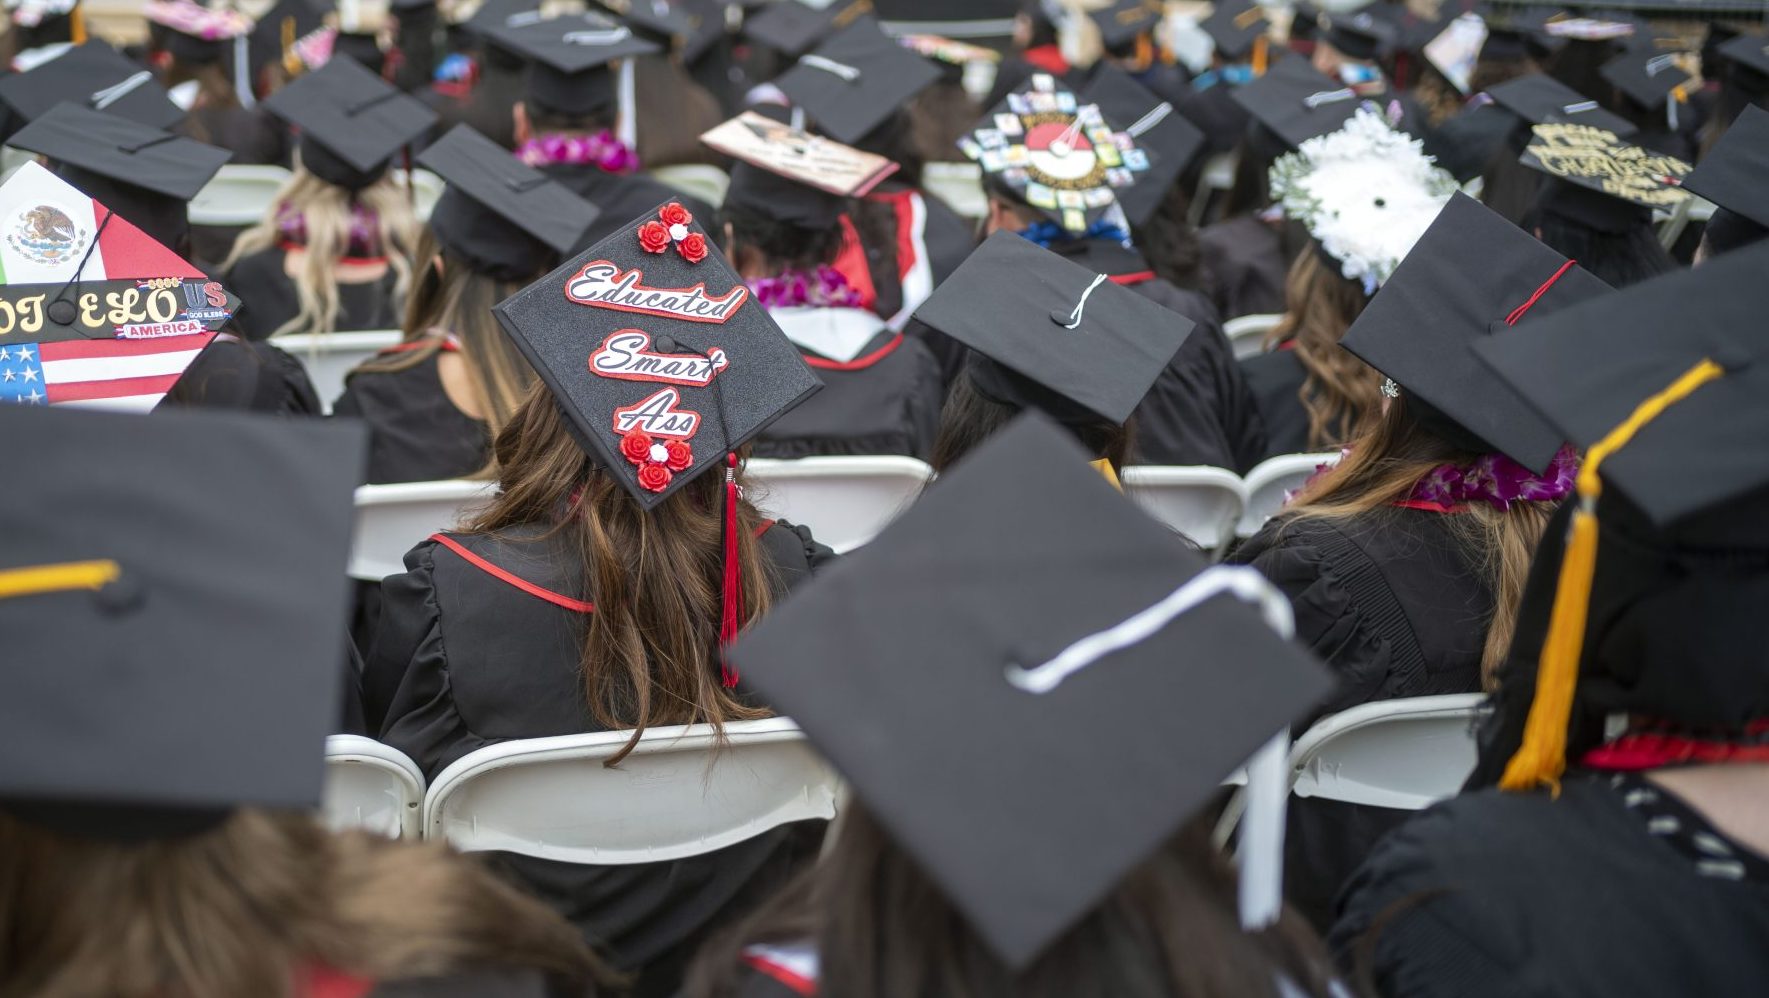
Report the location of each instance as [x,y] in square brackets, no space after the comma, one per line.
[845,501]
[1407,753]
[697,180]
[1273,479]
[392,519]
[329,357]
[1246,333]
[373,787]
[960,185]
[426,191]
[237,195]
[678,794]
[1218,175]
[1200,502]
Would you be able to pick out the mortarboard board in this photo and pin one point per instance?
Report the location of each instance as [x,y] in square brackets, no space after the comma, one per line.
[1735,176]
[1168,139]
[351,121]
[668,25]
[509,219]
[1472,275]
[1234,26]
[855,80]
[98,76]
[1361,36]
[796,177]
[948,18]
[658,353]
[1122,22]
[1645,76]
[1041,318]
[1539,98]
[276,32]
[973,675]
[1604,182]
[948,51]
[146,175]
[1296,102]
[168,658]
[570,58]
[195,31]
[1464,41]
[1748,56]
[1590,29]
[793,28]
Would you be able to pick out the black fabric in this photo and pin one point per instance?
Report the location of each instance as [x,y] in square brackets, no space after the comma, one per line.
[245,375]
[1728,230]
[889,76]
[1523,894]
[1215,112]
[351,120]
[1245,266]
[948,237]
[415,433]
[322,163]
[490,243]
[253,135]
[770,195]
[889,406]
[268,297]
[502,216]
[1276,380]
[1467,143]
[80,73]
[1731,175]
[164,219]
[621,197]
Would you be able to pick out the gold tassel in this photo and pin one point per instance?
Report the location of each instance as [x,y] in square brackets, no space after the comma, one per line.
[35,579]
[1104,467]
[291,61]
[1541,758]
[77,25]
[1259,56]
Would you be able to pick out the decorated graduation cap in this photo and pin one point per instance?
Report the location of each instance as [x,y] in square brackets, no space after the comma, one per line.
[793,28]
[1735,176]
[284,32]
[950,52]
[856,80]
[1360,35]
[579,64]
[1662,384]
[98,76]
[1029,761]
[791,175]
[1600,181]
[1046,147]
[1296,102]
[195,33]
[157,674]
[351,122]
[509,220]
[1054,336]
[1539,99]
[1455,49]
[1471,275]
[144,174]
[1122,22]
[1165,136]
[1650,78]
[1236,27]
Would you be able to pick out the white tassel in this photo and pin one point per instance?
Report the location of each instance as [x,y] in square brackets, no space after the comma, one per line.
[628,122]
[242,72]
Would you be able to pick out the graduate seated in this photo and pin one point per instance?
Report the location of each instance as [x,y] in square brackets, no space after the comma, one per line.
[162,735]
[597,588]
[1597,202]
[191,44]
[1731,176]
[1612,839]
[1241,50]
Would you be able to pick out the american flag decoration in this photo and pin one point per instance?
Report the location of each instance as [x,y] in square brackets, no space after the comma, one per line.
[93,312]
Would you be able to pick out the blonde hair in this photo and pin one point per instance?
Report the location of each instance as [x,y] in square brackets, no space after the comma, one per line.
[245,908]
[325,211]
[1340,392]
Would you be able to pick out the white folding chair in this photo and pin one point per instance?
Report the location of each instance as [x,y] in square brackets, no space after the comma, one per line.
[237,195]
[678,794]
[373,787]
[1407,753]
[1200,502]
[426,191]
[329,357]
[1218,175]
[697,180]
[960,185]
[1271,480]
[1246,333]
[392,519]
[1671,224]
[845,501]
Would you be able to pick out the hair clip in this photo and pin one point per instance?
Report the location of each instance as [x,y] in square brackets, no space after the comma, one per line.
[1390,389]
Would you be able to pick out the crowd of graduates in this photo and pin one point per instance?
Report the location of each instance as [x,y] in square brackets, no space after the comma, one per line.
[1511,264]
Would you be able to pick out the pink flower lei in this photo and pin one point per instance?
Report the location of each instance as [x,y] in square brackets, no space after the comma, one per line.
[1499,481]
[823,288]
[365,230]
[601,150]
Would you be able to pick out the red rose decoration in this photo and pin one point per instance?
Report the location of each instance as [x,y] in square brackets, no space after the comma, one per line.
[674,214]
[693,248]
[636,447]
[654,477]
[654,237]
[681,455]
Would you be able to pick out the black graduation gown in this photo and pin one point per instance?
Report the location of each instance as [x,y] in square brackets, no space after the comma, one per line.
[1216,113]
[463,660]
[269,297]
[621,198]
[1529,896]
[1466,143]
[252,135]
[1245,266]
[885,400]
[233,373]
[415,433]
[1397,607]
[1275,379]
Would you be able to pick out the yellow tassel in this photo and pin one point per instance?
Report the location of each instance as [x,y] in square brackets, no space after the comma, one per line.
[1541,758]
[1259,56]
[1110,473]
[37,579]
[291,61]
[77,25]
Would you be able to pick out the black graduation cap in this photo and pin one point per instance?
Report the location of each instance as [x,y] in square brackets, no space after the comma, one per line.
[1505,42]
[1296,101]
[657,352]
[196,33]
[168,657]
[668,24]
[1735,172]
[1539,98]
[798,178]
[570,56]
[1169,140]
[856,80]
[1749,56]
[284,24]
[1468,278]
[1121,22]
[921,667]
[1645,76]
[793,28]
[98,76]
[351,121]
[509,219]
[144,174]
[1598,179]
[1234,25]
[1362,35]
[1046,320]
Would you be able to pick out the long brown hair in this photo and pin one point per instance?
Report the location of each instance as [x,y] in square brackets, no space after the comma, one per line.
[245,908]
[1340,391]
[1382,468]
[673,112]
[650,648]
[214,92]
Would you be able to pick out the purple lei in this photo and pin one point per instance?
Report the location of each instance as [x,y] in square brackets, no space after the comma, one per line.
[826,288]
[365,230]
[601,150]
[1499,481]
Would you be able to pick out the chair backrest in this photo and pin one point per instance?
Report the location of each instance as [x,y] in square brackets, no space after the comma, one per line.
[426,191]
[391,519]
[1407,753]
[1246,333]
[237,195]
[1218,175]
[1200,502]
[328,357]
[960,185]
[678,794]
[373,787]
[1273,479]
[845,501]
[697,180]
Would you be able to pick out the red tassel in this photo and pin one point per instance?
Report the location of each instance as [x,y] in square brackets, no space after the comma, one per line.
[733,587]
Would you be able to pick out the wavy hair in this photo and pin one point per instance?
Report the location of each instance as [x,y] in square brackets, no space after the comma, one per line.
[1340,392]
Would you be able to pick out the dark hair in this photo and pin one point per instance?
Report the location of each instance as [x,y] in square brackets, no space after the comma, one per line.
[884,929]
[1617,258]
[939,116]
[542,118]
[1169,242]
[970,417]
[894,139]
[780,245]
[673,112]
[1507,186]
